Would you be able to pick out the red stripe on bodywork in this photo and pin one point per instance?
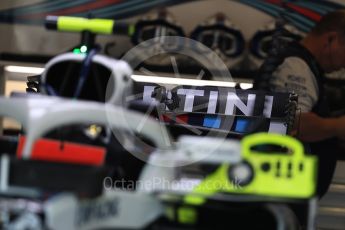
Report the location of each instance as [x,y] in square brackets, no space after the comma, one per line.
[301,10]
[66,152]
[180,119]
[306,12]
[78,9]
[276,2]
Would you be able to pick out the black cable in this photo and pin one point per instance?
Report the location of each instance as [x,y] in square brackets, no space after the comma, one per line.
[299,122]
[50,90]
[99,89]
[85,71]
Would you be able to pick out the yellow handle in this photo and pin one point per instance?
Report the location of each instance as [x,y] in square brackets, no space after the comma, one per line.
[270,138]
[75,24]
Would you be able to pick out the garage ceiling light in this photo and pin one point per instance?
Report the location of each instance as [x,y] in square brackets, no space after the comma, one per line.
[184,81]
[246,85]
[23,69]
[144,78]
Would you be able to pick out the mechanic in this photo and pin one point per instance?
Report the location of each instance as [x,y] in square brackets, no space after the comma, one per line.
[299,67]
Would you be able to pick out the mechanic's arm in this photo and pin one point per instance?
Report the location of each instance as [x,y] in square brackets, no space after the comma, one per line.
[294,75]
[315,128]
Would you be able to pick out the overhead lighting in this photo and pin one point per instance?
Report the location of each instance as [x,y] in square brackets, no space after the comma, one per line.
[246,85]
[23,69]
[181,81]
[145,78]
[184,81]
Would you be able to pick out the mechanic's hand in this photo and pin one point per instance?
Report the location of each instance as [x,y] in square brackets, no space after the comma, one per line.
[341,127]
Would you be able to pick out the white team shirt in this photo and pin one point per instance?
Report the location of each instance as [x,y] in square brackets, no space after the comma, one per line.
[294,75]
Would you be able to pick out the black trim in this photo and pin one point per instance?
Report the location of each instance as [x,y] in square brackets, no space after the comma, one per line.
[254,45]
[51,22]
[27,58]
[159,22]
[238,35]
[87,180]
[120,28]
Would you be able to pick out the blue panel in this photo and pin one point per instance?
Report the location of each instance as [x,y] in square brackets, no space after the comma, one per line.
[212,122]
[241,126]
